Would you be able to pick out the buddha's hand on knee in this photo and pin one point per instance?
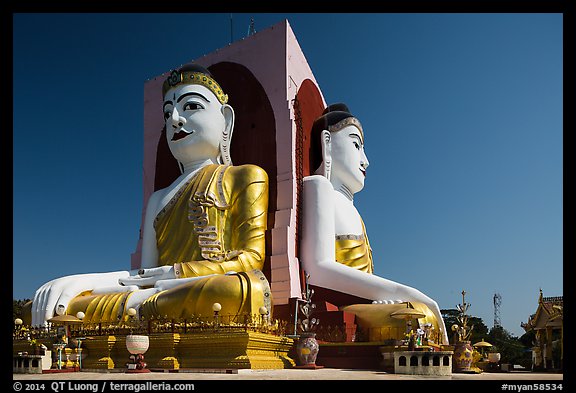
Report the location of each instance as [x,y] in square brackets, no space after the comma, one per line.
[431,304]
[149,277]
[54,296]
[435,309]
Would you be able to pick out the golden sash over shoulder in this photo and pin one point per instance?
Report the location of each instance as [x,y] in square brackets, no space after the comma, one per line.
[216,223]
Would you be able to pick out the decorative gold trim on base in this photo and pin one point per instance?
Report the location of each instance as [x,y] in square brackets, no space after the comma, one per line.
[210,349]
[242,350]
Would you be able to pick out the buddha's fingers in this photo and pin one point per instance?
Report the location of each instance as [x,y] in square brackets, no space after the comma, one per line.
[162,271]
[139,281]
[40,311]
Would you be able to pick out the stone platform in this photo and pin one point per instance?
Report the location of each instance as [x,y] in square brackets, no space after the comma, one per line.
[350,355]
[235,349]
[282,376]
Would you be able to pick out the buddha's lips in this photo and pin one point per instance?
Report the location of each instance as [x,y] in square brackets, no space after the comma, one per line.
[363,172]
[180,135]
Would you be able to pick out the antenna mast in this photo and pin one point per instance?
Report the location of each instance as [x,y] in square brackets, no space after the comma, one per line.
[497,303]
[251,29]
[231,30]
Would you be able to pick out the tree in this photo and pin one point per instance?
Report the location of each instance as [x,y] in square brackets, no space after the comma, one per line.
[528,339]
[17,307]
[512,349]
[479,332]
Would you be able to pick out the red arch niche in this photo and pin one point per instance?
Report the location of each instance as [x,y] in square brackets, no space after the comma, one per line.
[308,105]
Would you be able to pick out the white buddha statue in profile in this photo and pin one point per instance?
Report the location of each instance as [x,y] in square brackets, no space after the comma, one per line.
[335,251]
[203,236]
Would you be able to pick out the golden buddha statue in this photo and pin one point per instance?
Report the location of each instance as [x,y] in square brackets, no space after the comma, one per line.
[203,236]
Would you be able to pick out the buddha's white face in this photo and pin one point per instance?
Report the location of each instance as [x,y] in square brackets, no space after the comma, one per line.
[194,123]
[349,162]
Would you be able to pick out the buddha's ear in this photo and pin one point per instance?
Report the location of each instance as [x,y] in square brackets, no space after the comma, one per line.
[226,140]
[326,141]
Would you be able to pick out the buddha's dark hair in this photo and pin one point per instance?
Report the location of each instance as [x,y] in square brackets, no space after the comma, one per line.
[330,116]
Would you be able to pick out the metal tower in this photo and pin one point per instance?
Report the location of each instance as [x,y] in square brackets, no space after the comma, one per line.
[251,29]
[497,303]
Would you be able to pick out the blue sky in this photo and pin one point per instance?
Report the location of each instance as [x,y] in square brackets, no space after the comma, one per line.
[462,115]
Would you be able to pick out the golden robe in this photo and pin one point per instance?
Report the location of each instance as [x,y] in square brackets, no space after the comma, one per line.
[215,224]
[355,251]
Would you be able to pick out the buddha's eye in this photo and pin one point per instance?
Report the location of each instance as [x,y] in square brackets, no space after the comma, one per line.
[192,106]
[356,145]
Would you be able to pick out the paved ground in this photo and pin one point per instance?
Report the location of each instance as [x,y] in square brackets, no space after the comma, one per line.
[289,374]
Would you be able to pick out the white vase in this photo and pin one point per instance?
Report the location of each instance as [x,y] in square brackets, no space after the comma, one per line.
[137,344]
[494,357]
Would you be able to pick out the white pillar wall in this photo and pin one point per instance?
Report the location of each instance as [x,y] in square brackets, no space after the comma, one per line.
[423,362]
[276,60]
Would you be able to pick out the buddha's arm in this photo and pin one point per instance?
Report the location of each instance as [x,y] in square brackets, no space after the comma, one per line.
[318,248]
[318,253]
[149,248]
[53,297]
[247,220]
[149,273]
[318,223]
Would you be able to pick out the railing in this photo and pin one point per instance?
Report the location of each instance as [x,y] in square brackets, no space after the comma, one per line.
[194,324]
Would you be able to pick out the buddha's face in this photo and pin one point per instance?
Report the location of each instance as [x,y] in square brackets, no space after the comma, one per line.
[194,123]
[349,162]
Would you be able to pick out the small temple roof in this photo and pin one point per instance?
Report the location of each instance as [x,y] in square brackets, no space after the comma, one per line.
[548,314]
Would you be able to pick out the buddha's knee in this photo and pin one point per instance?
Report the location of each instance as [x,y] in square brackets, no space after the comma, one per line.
[236,293]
